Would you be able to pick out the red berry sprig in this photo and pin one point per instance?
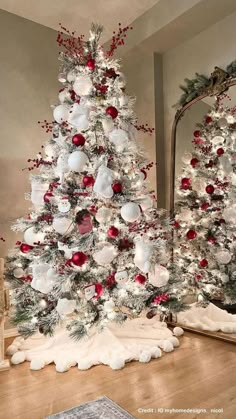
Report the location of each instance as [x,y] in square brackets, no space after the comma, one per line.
[144,128]
[48,126]
[118,39]
[2,239]
[74,46]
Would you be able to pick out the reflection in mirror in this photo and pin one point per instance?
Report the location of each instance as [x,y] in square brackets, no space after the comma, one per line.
[205,213]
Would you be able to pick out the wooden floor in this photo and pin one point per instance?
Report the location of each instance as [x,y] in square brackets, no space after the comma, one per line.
[200,374]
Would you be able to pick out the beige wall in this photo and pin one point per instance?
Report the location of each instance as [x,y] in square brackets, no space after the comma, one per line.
[214,46]
[28,86]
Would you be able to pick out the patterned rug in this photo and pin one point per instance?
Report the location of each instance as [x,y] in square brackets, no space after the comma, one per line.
[102,408]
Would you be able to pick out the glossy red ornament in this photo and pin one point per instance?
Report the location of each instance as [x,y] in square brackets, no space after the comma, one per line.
[176,224]
[27,278]
[191,234]
[210,189]
[47,197]
[117,187]
[220,151]
[112,111]
[204,206]
[221,220]
[211,239]
[185,183]
[110,280]
[197,133]
[25,248]
[141,279]
[194,162]
[203,263]
[91,64]
[208,120]
[78,140]
[79,258]
[88,180]
[112,232]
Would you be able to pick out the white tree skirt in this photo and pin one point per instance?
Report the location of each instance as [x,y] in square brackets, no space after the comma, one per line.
[139,339]
[211,318]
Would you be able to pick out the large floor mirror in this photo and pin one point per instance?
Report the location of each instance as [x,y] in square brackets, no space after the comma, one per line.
[202,195]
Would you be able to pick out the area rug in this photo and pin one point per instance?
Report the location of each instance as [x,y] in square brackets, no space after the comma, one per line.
[102,408]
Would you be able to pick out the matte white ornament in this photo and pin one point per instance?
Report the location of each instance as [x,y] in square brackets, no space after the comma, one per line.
[78,117]
[119,138]
[64,206]
[159,277]
[107,125]
[178,331]
[143,253]
[64,95]
[18,272]
[109,305]
[31,237]
[230,119]
[186,158]
[217,140]
[229,214]
[62,225]
[18,358]
[130,212]
[77,161]
[103,215]
[105,255]
[222,123]
[38,190]
[65,306]
[82,85]
[103,182]
[198,185]
[61,113]
[223,256]
[40,281]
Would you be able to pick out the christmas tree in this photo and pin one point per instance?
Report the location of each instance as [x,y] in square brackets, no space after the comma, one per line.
[95,248]
[206,211]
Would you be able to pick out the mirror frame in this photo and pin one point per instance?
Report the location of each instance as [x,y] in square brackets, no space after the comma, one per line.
[218,82]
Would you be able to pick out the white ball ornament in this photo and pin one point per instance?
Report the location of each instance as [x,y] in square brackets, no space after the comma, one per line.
[103,215]
[62,225]
[222,123]
[198,185]
[159,277]
[223,256]
[230,119]
[105,255]
[178,331]
[65,306]
[61,113]
[217,140]
[82,85]
[18,272]
[78,117]
[31,237]
[77,161]
[109,305]
[119,138]
[130,212]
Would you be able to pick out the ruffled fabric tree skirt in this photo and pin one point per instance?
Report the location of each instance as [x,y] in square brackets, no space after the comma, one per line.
[138,339]
[211,318]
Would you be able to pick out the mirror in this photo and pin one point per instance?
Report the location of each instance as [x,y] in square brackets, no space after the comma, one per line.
[202,195]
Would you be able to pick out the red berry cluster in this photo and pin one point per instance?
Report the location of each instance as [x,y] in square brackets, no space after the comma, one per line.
[118,39]
[48,126]
[148,166]
[73,46]
[38,162]
[162,298]
[144,128]
[2,239]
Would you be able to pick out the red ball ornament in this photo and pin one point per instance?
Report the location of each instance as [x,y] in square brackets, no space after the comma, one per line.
[208,120]
[203,263]
[176,224]
[194,162]
[112,232]
[78,140]
[185,183]
[91,64]
[117,187]
[27,278]
[88,180]
[25,248]
[197,133]
[220,151]
[191,234]
[211,239]
[204,206]
[141,279]
[79,258]
[112,111]
[210,189]
[47,197]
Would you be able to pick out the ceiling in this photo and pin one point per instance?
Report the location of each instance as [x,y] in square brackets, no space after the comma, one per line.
[78,14]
